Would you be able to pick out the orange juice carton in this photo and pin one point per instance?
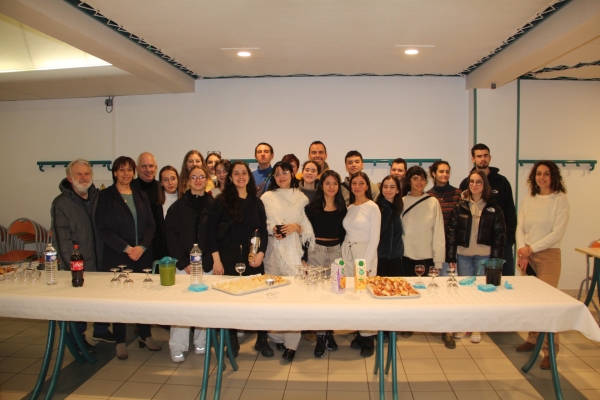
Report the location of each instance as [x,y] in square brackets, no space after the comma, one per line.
[360,275]
[338,276]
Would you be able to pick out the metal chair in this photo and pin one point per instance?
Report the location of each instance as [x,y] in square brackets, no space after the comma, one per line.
[4,240]
[24,231]
[588,278]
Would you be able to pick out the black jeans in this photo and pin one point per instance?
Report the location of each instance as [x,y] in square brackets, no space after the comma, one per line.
[119,330]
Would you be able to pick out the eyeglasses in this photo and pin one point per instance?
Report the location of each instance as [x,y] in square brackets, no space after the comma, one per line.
[476,183]
[197,177]
[284,173]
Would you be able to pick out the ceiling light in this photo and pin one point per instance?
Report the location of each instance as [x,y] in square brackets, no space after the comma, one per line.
[244,54]
[411,51]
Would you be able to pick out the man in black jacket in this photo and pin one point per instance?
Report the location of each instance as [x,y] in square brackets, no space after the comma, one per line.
[146,170]
[73,222]
[503,196]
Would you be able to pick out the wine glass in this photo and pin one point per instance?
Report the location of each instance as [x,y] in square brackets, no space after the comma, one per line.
[269,282]
[433,287]
[419,270]
[128,282]
[298,277]
[148,282]
[115,282]
[122,275]
[240,268]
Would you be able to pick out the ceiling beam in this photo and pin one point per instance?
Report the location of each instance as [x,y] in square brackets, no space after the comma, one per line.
[64,22]
[574,25]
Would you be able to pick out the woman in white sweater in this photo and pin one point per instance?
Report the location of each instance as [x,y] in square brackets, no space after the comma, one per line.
[541,225]
[289,229]
[423,222]
[363,227]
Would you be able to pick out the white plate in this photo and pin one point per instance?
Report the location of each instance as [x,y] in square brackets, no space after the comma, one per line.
[412,296]
[258,289]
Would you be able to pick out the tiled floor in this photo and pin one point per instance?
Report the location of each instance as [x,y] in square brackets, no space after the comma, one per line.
[426,370]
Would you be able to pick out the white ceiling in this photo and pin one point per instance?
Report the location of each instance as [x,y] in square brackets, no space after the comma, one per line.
[308,37]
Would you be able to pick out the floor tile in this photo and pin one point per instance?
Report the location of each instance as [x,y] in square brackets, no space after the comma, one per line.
[267,380]
[509,381]
[15,364]
[304,394]
[22,325]
[591,394]
[75,397]
[231,378]
[520,395]
[261,394]
[98,388]
[150,374]
[345,352]
[179,392]
[593,362]
[116,372]
[134,358]
[245,363]
[352,382]
[434,395]
[468,381]
[443,352]
[197,362]
[573,337]
[347,366]
[495,365]
[373,381]
[19,383]
[320,365]
[485,352]
[428,383]
[347,395]
[8,349]
[13,395]
[161,359]
[186,376]
[459,365]
[401,395]
[275,364]
[588,349]
[306,381]
[4,376]
[476,395]
[583,380]
[31,351]
[136,390]
[25,338]
[419,352]
[573,364]
[424,366]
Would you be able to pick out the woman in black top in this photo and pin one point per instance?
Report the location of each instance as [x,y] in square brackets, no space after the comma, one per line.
[391,247]
[235,216]
[326,213]
[126,226]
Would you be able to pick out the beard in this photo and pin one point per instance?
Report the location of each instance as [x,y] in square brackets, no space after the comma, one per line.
[81,188]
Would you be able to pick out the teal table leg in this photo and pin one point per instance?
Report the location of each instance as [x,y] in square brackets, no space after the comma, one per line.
[230,351]
[392,353]
[220,357]
[535,353]
[216,346]
[595,276]
[59,359]
[209,335]
[388,361]
[553,367]
[45,362]
[77,338]
[70,343]
[379,362]
[377,355]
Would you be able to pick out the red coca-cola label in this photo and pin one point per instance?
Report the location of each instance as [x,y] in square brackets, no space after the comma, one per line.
[77,265]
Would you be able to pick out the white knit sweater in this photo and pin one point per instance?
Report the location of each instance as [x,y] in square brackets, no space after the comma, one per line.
[284,206]
[423,235]
[542,221]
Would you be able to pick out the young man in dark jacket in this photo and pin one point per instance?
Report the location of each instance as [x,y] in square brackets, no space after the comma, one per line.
[73,222]
[502,195]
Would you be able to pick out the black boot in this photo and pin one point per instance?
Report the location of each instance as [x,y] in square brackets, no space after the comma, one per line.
[357,343]
[330,341]
[368,347]
[262,344]
[233,340]
[320,347]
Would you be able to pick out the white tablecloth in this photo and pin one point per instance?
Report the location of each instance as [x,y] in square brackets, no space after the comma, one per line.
[531,305]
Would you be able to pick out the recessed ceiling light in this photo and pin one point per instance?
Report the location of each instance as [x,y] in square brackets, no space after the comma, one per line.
[244,54]
[411,51]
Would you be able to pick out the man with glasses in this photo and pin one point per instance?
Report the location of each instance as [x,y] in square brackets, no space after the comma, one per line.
[73,222]
[146,181]
[354,164]
[502,194]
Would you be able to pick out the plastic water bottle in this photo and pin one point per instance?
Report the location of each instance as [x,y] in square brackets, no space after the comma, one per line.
[50,265]
[195,265]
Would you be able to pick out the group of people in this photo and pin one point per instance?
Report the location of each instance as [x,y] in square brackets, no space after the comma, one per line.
[305,214]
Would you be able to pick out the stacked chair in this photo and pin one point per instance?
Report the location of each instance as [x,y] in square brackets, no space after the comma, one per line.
[21,232]
[588,278]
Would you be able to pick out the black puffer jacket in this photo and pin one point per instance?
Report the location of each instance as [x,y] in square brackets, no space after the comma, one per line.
[491,232]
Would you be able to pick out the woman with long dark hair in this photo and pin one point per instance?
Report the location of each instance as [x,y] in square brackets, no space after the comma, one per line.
[326,213]
[391,247]
[211,160]
[126,226]
[168,193]
[221,169]
[290,229]
[363,227]
[185,226]
[236,215]
[541,225]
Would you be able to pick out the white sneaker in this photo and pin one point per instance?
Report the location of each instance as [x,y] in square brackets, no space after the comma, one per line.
[459,335]
[475,337]
[177,356]
[240,334]
[200,350]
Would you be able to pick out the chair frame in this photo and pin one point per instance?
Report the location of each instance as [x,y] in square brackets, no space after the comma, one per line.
[588,278]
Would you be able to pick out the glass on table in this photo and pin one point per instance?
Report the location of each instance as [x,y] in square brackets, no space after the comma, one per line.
[122,275]
[240,268]
[269,282]
[298,277]
[148,282]
[128,282]
[115,282]
[433,287]
[311,280]
[419,270]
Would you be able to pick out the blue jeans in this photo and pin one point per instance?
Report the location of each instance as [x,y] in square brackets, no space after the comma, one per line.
[468,265]
[444,269]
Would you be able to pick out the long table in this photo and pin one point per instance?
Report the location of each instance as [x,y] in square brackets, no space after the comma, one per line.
[531,305]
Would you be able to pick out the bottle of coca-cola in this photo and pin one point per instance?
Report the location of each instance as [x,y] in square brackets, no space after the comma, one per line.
[76,267]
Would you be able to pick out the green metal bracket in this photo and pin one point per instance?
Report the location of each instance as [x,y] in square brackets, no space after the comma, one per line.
[592,163]
[53,164]
[420,161]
